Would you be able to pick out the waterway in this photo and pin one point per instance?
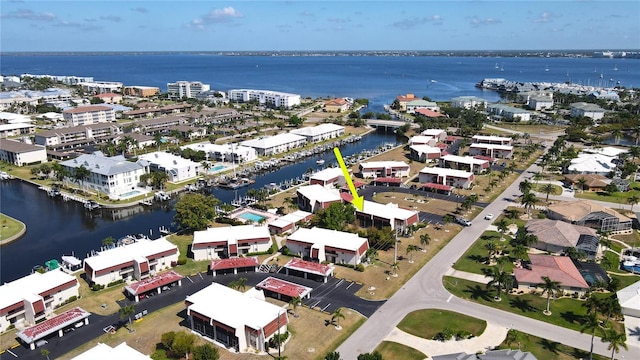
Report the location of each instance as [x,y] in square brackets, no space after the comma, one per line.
[56,228]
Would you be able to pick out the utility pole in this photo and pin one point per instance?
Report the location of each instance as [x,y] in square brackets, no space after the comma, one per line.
[395,249]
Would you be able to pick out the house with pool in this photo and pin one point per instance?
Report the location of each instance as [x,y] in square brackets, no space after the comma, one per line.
[334,246]
[178,169]
[231,241]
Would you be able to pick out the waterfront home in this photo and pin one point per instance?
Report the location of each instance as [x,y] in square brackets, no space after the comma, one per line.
[27,300]
[336,105]
[235,320]
[430,114]
[234,153]
[313,198]
[288,222]
[466,163]
[86,115]
[329,178]
[322,245]
[423,140]
[590,214]
[419,104]
[451,177]
[556,268]
[20,154]
[224,242]
[112,176]
[276,144]
[424,153]
[491,139]
[78,135]
[404,99]
[468,102]
[178,169]
[320,132]
[587,163]
[374,169]
[493,151]
[104,351]
[556,237]
[509,112]
[439,134]
[383,215]
[186,89]
[137,260]
[274,99]
[583,109]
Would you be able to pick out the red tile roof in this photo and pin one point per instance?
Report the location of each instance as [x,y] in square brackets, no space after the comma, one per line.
[52,325]
[336,102]
[346,196]
[283,287]
[388,180]
[310,267]
[234,263]
[153,283]
[438,186]
[429,113]
[557,268]
[441,146]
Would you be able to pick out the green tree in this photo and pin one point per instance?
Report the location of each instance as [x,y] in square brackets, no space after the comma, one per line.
[583,182]
[240,284]
[395,266]
[632,200]
[334,355]
[529,200]
[525,186]
[167,339]
[195,211]
[549,287]
[502,226]
[370,356]
[295,302]
[590,325]
[45,353]
[108,241]
[425,239]
[158,179]
[499,279]
[205,352]
[615,340]
[80,174]
[491,248]
[126,312]
[336,216]
[336,316]
[410,250]
[183,343]
[547,189]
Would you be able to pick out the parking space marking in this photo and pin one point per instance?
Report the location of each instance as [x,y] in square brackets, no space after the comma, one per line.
[350,283]
[325,308]
[12,353]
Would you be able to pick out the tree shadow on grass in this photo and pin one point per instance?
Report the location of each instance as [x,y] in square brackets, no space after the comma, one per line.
[579,354]
[522,304]
[549,345]
[571,317]
[478,292]
[487,271]
[477,258]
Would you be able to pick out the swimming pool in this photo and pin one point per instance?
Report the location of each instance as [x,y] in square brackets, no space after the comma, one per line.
[251,216]
[217,168]
[131,194]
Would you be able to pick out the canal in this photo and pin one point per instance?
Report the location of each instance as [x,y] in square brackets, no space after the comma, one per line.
[56,228]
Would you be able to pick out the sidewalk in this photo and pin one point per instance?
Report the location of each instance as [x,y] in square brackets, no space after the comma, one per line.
[467,276]
[491,337]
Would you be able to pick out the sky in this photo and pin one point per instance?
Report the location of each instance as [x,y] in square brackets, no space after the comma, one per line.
[160,25]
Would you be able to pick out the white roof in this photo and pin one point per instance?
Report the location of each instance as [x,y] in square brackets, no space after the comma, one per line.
[99,164]
[273,141]
[492,146]
[446,172]
[491,138]
[629,297]
[317,192]
[464,159]
[606,151]
[5,127]
[30,286]
[387,211]
[433,132]
[231,234]
[167,160]
[292,218]
[120,254]
[426,149]
[383,164]
[420,139]
[328,174]
[592,163]
[13,118]
[103,351]
[326,237]
[317,130]
[234,308]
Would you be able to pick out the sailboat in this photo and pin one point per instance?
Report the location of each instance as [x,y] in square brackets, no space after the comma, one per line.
[547,68]
[502,67]
[615,67]
[497,67]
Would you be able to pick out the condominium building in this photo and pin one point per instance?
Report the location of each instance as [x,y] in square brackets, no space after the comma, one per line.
[77,133]
[19,153]
[384,169]
[449,177]
[274,99]
[101,87]
[177,168]
[86,115]
[320,132]
[276,144]
[223,242]
[468,102]
[141,91]
[334,246]
[186,89]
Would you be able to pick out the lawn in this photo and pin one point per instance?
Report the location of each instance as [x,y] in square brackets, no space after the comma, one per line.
[393,351]
[557,190]
[545,349]
[616,197]
[10,227]
[532,129]
[427,323]
[565,312]
[474,259]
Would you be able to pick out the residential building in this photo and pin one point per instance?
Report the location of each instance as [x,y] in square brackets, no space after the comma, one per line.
[235,320]
[590,214]
[231,241]
[288,222]
[25,301]
[110,98]
[414,105]
[283,290]
[320,132]
[60,324]
[20,129]
[313,198]
[383,215]
[604,95]
[269,98]
[152,126]
[86,115]
[439,134]
[138,260]
[141,91]
[468,102]
[374,169]
[424,153]
[157,111]
[557,268]
[309,270]
[20,154]
[629,299]
[77,134]
[322,245]
[329,178]
[65,79]
[587,163]
[153,285]
[538,103]
[177,168]
[101,87]
[423,140]
[491,150]
[466,163]
[583,109]
[556,237]
[104,351]
[509,112]
[592,182]
[451,177]
[276,144]
[429,113]
[404,99]
[235,153]
[491,139]
[186,89]
[336,105]
[111,176]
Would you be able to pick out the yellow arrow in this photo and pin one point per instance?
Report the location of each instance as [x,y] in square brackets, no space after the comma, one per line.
[358,201]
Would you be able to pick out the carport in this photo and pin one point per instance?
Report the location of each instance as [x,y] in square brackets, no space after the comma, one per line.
[156,283]
[308,269]
[439,188]
[234,265]
[387,181]
[282,289]
[58,323]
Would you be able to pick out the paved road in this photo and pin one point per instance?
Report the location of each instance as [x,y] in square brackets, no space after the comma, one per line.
[425,291]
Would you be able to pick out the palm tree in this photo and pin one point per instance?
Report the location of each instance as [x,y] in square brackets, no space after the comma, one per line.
[519,252]
[410,250]
[525,186]
[634,151]
[371,254]
[502,226]
[591,324]
[425,239]
[395,266]
[583,182]
[80,174]
[633,199]
[617,134]
[529,200]
[499,279]
[239,284]
[45,352]
[491,249]
[336,316]
[615,340]
[295,302]
[549,286]
[547,189]
[127,311]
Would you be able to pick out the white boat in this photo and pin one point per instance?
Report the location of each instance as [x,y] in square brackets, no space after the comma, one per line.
[162,196]
[91,205]
[320,162]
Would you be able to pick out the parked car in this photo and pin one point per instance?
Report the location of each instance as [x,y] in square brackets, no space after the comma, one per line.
[463,222]
[488,217]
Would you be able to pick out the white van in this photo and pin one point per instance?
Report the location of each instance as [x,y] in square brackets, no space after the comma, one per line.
[463,222]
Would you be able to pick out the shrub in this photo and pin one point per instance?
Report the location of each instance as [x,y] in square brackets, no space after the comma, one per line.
[182,260]
[114,283]
[360,267]
[97,287]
